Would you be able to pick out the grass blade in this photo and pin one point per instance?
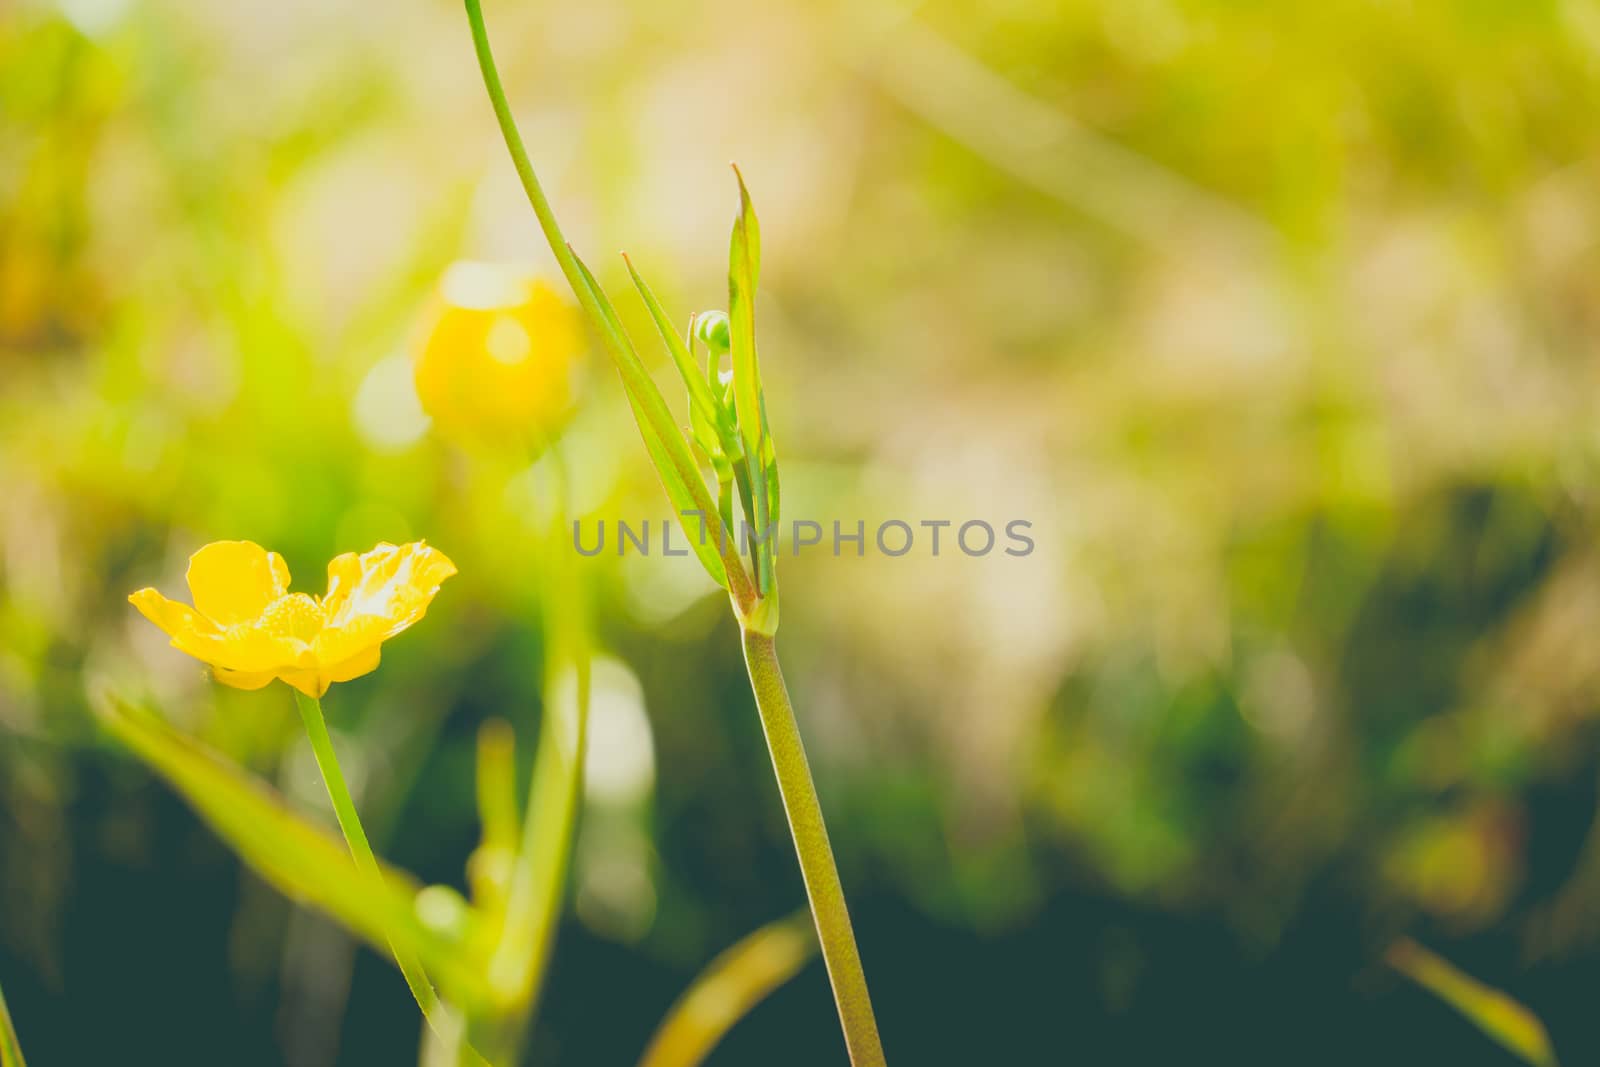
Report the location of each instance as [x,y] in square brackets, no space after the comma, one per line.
[733,984]
[1510,1024]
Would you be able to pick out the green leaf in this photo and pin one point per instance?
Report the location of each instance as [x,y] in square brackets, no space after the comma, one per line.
[706,539]
[744,270]
[10,1047]
[725,503]
[648,405]
[1504,1020]
[702,402]
[769,461]
[735,982]
[669,452]
[303,860]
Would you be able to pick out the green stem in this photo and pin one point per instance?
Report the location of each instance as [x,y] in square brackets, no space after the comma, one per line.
[10,1047]
[344,808]
[650,409]
[817,867]
[539,877]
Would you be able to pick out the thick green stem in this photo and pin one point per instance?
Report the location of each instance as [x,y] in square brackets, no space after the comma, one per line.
[821,876]
[344,808]
[10,1047]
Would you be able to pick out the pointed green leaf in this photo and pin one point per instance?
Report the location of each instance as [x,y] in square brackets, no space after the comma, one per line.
[725,503]
[769,460]
[744,269]
[735,982]
[1504,1020]
[702,402]
[301,859]
[669,452]
[704,537]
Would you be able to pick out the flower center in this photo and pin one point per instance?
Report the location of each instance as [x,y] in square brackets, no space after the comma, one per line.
[297,615]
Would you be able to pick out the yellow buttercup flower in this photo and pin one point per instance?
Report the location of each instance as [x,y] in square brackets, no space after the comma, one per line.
[248,626]
[498,355]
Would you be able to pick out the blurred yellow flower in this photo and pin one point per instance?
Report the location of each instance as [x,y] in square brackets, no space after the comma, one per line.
[498,355]
[248,626]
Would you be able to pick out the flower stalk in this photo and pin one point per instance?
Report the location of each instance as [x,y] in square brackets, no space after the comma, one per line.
[344,809]
[811,844]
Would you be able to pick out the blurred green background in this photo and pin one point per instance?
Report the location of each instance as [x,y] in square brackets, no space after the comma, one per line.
[1279,323]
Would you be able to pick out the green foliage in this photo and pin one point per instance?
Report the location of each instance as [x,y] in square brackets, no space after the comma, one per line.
[760,455]
[669,452]
[704,406]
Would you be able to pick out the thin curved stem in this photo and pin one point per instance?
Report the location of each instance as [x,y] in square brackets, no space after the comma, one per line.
[355,836]
[817,866]
[650,409]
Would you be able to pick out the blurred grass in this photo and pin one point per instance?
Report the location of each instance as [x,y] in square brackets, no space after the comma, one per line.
[731,985]
[1497,1015]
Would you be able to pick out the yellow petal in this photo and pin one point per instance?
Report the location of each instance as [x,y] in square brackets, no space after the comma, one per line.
[314,681]
[310,682]
[251,650]
[190,631]
[235,649]
[364,662]
[393,584]
[243,679]
[347,640]
[344,575]
[180,621]
[234,581]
